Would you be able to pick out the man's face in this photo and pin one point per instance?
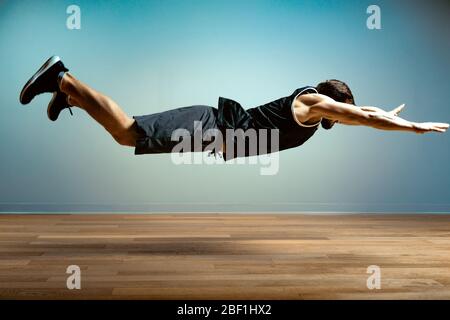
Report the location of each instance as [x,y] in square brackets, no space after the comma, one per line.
[327,123]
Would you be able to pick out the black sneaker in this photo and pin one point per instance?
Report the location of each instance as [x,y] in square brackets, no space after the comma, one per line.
[57,104]
[44,80]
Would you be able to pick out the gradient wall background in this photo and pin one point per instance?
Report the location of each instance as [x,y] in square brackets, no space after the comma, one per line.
[154,55]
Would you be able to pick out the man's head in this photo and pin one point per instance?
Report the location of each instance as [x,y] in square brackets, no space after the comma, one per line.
[337,90]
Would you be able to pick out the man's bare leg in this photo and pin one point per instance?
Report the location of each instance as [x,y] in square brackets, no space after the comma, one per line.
[102,108]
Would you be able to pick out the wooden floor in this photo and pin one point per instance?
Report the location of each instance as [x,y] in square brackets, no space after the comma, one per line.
[225,256]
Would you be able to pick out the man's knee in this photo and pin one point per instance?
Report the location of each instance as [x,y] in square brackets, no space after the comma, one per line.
[127,136]
[123,140]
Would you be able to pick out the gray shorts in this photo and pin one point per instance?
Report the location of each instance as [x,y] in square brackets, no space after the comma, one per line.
[155,130]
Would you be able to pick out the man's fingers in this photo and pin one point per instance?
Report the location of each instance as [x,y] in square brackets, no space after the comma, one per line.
[440,127]
[432,127]
[397,110]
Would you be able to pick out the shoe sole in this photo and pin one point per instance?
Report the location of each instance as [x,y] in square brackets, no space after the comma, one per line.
[47,65]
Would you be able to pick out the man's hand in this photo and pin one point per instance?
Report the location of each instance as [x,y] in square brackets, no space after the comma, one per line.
[429,127]
[424,126]
[420,128]
[393,113]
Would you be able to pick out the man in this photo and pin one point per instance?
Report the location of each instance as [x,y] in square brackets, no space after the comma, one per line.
[295,118]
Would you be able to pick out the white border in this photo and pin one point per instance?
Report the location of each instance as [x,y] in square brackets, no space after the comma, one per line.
[293,113]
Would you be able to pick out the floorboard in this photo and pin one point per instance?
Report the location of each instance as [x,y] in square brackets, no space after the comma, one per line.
[224,256]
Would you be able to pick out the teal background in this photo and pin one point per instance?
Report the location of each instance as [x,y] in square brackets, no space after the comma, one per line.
[151,56]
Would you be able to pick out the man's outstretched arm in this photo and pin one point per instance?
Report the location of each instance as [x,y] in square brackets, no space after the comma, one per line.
[323,106]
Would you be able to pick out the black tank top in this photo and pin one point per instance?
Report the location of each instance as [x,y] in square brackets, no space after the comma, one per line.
[277,114]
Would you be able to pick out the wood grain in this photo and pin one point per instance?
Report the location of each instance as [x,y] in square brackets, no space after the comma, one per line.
[224,256]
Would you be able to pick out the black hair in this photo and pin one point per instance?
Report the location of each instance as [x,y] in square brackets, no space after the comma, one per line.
[337,90]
